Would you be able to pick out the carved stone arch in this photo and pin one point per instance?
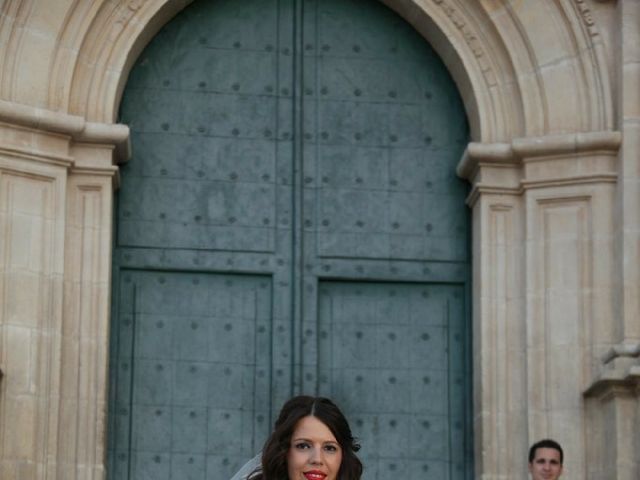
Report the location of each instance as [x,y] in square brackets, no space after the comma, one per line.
[463,35]
[511,84]
[92,67]
[98,46]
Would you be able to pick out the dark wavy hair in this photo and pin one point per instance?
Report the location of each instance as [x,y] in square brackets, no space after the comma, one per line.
[276,448]
[546,443]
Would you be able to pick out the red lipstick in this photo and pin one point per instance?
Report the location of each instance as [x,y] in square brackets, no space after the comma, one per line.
[314,475]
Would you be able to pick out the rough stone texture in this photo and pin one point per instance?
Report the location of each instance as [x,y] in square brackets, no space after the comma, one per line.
[552,97]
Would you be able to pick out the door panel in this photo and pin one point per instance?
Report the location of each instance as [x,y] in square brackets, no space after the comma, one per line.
[372,116]
[192,377]
[206,126]
[290,222]
[392,353]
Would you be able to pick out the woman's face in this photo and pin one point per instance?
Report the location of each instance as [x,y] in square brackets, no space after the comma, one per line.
[314,453]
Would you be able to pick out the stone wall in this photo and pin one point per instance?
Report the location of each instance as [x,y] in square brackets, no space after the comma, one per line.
[551,91]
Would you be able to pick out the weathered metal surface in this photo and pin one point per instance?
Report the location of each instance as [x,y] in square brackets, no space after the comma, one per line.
[393,353]
[290,222]
[189,364]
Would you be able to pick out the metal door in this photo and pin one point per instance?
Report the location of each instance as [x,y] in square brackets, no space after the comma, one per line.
[290,222]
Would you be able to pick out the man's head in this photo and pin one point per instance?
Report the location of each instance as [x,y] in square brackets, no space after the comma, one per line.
[545,460]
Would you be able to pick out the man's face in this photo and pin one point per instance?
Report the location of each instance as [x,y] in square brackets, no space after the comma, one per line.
[546,464]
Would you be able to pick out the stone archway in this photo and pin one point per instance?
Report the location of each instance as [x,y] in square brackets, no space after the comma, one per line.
[543,166]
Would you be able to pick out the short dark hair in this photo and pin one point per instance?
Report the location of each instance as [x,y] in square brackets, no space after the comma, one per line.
[274,453]
[546,443]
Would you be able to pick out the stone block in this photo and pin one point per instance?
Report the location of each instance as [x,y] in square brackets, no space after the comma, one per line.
[630,80]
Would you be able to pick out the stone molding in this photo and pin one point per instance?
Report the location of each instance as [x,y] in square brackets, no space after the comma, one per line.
[582,147]
[532,147]
[619,371]
[76,127]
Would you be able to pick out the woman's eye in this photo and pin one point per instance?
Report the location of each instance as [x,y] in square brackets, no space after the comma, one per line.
[331,448]
[302,445]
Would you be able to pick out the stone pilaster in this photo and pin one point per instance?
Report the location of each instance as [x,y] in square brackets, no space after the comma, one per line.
[613,395]
[56,190]
[499,340]
[543,237]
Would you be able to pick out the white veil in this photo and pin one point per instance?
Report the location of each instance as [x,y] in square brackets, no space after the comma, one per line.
[248,467]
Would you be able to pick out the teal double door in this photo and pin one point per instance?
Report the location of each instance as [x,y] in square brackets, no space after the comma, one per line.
[290,222]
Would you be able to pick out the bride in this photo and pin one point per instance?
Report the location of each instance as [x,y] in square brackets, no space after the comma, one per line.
[311,441]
